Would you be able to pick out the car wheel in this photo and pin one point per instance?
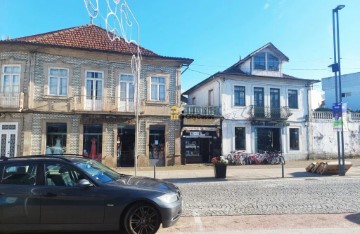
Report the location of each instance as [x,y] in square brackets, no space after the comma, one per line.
[142,218]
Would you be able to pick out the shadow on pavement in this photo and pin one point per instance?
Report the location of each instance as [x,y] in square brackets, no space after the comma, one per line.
[355,218]
[305,174]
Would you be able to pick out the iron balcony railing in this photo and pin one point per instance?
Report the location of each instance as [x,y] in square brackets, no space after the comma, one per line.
[194,110]
[268,112]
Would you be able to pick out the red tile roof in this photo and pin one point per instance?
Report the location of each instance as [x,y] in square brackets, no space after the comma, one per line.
[85,37]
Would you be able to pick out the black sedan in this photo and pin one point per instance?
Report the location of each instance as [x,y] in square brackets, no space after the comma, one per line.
[72,193]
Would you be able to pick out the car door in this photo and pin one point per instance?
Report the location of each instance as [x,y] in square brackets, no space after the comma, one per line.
[19,204]
[65,202]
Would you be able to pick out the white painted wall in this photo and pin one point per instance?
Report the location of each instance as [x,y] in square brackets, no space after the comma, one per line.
[230,111]
[350,83]
[324,140]
[201,94]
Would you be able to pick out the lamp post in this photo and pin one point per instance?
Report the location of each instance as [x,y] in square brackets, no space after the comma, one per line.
[338,94]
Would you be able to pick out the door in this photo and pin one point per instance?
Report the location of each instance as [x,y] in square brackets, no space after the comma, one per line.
[126,146]
[126,102]
[10,86]
[93,92]
[275,103]
[63,201]
[259,102]
[268,139]
[8,141]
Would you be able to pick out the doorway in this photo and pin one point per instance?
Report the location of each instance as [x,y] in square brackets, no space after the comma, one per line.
[126,146]
[267,139]
[8,141]
[157,145]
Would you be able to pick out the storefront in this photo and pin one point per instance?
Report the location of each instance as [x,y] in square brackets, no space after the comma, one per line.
[268,135]
[200,140]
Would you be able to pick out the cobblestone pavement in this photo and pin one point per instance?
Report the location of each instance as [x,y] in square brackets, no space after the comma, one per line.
[322,205]
[295,196]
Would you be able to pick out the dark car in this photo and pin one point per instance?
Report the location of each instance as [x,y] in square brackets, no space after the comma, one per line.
[40,193]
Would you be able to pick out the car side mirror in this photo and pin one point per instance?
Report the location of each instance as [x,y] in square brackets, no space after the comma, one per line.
[84,183]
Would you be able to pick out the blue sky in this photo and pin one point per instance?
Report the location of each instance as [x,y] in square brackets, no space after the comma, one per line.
[214,33]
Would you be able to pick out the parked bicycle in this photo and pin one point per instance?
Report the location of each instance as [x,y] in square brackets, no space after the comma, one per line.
[239,157]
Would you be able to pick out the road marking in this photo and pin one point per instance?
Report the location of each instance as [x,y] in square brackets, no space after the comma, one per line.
[198,221]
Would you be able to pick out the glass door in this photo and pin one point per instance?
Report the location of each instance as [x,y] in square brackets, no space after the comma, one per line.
[127,88]
[259,102]
[94,86]
[10,86]
[275,103]
[8,141]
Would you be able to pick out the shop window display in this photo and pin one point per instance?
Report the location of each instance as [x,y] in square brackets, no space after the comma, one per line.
[56,139]
[92,146]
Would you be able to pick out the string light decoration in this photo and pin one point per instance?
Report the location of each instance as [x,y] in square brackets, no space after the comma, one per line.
[122,25]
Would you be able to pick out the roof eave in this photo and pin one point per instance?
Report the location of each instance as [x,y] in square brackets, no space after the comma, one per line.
[186,61]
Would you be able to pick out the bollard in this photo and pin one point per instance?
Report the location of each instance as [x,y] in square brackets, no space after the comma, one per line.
[282,169]
[154,171]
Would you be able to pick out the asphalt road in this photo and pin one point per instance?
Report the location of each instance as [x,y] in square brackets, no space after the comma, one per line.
[322,205]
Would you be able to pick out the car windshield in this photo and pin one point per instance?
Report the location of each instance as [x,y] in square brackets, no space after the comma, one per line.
[98,171]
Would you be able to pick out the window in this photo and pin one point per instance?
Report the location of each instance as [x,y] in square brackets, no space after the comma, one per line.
[259,110]
[239,96]
[93,141]
[10,80]
[94,85]
[273,63]
[259,61]
[347,94]
[157,145]
[293,99]
[20,174]
[127,88]
[158,89]
[294,139]
[211,97]
[56,138]
[193,101]
[58,81]
[58,174]
[240,138]
[127,91]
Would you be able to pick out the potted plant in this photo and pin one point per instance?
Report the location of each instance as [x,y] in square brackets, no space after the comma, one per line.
[220,165]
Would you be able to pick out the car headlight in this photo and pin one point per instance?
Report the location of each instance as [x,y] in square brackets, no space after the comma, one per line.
[168,198]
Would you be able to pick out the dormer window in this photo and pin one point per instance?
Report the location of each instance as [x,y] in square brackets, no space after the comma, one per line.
[273,63]
[266,61]
[259,61]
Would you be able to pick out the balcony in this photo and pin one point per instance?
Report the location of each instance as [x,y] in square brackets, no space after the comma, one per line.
[102,104]
[206,111]
[269,113]
[11,101]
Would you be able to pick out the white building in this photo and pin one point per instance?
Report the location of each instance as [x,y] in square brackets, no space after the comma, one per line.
[350,89]
[261,107]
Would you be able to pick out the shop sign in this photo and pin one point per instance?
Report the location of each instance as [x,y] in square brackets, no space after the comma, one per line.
[202,122]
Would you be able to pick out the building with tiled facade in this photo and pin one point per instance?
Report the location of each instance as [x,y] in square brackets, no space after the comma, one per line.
[72,91]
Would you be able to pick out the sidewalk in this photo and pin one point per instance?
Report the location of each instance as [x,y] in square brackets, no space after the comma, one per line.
[200,172]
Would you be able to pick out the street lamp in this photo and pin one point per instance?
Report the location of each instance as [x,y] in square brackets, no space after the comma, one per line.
[338,95]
